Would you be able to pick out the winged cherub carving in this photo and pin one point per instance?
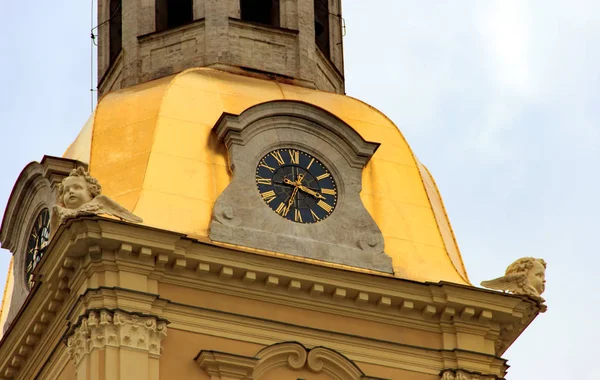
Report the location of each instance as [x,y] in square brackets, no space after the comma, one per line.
[80,194]
[526,275]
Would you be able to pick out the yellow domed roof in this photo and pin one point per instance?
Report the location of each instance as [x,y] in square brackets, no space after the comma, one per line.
[153,150]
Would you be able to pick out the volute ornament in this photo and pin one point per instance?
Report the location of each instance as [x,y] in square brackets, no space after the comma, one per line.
[81,194]
[526,276]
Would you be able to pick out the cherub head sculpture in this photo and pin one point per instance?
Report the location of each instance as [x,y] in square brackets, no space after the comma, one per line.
[526,276]
[77,189]
[80,194]
[535,270]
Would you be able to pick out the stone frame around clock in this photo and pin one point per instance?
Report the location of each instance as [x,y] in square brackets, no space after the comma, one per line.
[34,190]
[349,236]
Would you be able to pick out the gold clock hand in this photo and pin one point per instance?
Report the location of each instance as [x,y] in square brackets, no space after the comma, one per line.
[293,196]
[311,192]
[291,201]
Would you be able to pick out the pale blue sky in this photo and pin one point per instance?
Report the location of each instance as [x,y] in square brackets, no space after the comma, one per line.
[500,99]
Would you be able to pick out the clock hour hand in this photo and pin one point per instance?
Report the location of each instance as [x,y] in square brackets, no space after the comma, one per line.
[296,187]
[291,201]
[311,192]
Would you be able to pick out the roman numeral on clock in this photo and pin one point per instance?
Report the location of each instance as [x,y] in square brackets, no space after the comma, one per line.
[281,209]
[324,206]
[314,216]
[263,181]
[264,165]
[294,156]
[277,156]
[297,216]
[268,196]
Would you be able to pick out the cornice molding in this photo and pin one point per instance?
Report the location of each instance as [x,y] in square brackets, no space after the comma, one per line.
[85,245]
[262,331]
[102,328]
[172,258]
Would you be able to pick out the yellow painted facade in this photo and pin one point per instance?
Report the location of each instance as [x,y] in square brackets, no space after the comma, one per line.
[152,148]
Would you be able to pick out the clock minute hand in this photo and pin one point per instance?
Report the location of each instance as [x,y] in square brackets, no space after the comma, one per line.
[311,192]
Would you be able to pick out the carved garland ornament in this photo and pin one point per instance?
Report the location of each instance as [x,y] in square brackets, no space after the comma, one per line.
[463,375]
[105,328]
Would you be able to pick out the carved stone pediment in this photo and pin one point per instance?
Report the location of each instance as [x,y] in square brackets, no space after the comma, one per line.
[349,236]
[290,355]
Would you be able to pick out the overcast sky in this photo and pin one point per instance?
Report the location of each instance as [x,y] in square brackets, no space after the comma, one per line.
[500,99]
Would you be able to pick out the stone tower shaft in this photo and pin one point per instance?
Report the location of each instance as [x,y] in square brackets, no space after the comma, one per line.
[292,41]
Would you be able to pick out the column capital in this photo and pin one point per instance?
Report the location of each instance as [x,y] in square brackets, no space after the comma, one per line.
[458,374]
[101,328]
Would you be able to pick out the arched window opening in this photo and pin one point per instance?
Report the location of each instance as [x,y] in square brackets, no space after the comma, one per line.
[322,26]
[260,11]
[173,13]
[115,30]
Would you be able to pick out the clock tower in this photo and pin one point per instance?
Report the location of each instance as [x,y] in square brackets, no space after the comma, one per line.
[228,213]
[290,41]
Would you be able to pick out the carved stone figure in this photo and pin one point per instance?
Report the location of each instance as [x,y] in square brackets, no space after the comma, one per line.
[80,194]
[526,275]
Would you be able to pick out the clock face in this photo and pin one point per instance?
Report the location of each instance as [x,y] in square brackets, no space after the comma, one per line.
[37,243]
[296,186]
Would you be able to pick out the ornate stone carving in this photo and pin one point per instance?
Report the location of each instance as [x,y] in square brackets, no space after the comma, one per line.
[80,194]
[105,328]
[525,276]
[451,374]
[220,365]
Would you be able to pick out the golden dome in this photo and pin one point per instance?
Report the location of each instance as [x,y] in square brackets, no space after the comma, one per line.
[152,148]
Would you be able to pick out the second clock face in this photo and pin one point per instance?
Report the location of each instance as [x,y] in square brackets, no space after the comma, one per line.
[296,185]
[37,243]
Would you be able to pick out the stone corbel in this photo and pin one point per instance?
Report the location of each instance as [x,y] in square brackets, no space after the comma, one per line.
[103,328]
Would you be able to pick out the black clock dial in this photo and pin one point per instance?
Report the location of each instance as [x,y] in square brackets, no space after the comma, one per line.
[296,186]
[37,243]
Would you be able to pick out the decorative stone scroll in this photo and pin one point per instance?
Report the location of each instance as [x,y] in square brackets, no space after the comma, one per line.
[80,194]
[220,365]
[106,328]
[525,276]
